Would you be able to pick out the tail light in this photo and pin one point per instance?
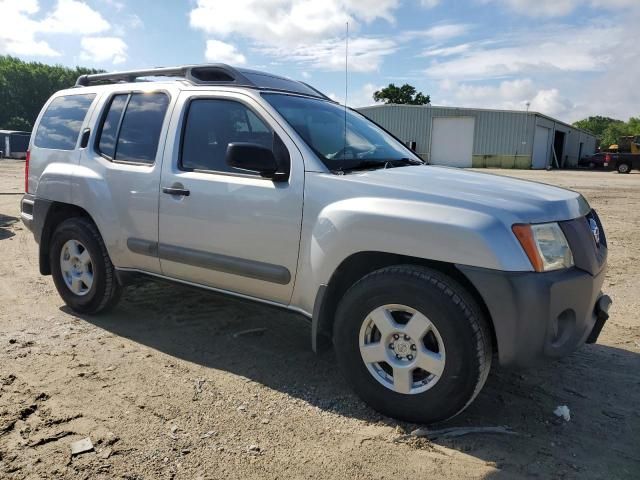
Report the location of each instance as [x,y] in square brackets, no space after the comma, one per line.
[26,172]
[607,158]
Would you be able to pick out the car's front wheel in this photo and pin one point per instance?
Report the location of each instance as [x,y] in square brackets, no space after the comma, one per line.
[81,268]
[412,343]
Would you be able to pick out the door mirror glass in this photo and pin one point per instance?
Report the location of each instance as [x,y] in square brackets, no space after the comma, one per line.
[253,158]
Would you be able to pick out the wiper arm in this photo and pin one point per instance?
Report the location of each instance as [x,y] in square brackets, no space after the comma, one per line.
[375,164]
[361,165]
[399,162]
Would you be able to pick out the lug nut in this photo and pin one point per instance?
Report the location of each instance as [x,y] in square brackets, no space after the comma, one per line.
[407,337]
[396,336]
[413,347]
[398,356]
[409,357]
[391,346]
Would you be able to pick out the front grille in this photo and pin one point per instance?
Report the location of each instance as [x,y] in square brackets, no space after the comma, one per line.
[593,215]
[587,254]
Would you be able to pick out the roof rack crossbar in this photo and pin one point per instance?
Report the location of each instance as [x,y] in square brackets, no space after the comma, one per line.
[209,74]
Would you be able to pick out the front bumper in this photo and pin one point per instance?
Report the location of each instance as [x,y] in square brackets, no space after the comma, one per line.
[541,315]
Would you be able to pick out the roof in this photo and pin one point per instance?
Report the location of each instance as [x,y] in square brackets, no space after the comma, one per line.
[207,74]
[521,112]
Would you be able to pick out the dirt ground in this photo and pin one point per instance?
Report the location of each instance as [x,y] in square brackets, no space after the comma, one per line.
[165,389]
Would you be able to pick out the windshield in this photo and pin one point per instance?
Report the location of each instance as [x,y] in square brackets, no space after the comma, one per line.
[321,124]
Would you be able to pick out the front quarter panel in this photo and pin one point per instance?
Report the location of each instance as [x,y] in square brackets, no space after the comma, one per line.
[335,228]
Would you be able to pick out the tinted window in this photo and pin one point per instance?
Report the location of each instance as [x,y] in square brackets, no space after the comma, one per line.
[61,123]
[211,125]
[340,138]
[133,136]
[109,134]
[140,130]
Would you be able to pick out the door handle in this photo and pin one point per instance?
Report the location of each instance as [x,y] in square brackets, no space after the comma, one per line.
[84,140]
[176,191]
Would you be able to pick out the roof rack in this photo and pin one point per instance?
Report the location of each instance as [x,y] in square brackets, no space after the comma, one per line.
[207,74]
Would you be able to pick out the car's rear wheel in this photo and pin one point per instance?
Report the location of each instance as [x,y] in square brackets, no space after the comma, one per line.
[412,343]
[81,268]
[624,168]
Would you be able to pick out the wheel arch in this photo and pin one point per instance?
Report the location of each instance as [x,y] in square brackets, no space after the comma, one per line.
[356,266]
[57,212]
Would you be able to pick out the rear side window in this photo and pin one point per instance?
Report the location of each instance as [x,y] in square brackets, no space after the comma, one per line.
[61,123]
[131,127]
[211,125]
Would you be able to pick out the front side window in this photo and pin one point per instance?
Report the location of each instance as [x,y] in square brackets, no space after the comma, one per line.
[60,125]
[131,128]
[211,125]
[341,139]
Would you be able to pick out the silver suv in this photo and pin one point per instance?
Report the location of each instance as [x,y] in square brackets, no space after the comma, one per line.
[261,187]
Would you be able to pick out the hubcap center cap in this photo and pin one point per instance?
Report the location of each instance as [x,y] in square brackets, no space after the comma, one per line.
[402,347]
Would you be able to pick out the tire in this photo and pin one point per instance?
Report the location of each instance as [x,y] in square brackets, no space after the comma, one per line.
[97,295]
[463,343]
[624,168]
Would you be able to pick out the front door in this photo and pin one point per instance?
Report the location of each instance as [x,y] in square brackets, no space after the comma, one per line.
[219,226]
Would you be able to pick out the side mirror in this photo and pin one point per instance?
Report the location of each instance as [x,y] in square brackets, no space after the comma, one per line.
[253,158]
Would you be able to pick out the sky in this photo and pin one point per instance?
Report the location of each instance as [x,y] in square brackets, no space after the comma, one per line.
[565,58]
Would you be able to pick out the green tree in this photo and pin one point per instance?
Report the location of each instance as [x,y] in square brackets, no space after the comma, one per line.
[613,132]
[26,86]
[597,124]
[609,130]
[18,123]
[404,95]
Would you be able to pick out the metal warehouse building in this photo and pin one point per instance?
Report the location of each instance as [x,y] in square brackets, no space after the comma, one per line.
[467,137]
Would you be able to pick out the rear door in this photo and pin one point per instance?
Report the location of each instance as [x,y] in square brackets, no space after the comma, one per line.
[235,231]
[120,184]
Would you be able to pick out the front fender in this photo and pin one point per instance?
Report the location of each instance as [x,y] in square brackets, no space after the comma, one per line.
[431,231]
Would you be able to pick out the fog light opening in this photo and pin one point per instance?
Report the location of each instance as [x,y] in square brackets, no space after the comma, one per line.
[563,326]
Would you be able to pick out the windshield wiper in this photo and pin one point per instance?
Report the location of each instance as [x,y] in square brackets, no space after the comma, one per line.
[375,164]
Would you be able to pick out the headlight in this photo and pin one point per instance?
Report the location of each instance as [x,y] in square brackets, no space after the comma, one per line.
[545,245]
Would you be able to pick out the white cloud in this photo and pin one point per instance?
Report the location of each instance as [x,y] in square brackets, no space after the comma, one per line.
[19,29]
[549,49]
[438,33]
[306,31]
[364,96]
[222,52]
[447,51]
[508,95]
[103,49]
[17,32]
[73,17]
[365,53]
[557,8]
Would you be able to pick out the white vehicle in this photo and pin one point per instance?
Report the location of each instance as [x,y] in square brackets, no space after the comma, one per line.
[261,187]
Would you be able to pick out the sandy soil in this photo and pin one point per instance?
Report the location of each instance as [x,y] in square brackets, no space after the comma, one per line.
[165,390]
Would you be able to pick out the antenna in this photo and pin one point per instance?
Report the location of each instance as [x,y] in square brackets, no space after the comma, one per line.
[346,87]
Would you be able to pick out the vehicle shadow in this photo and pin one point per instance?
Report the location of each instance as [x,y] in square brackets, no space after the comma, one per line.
[6,222]
[599,384]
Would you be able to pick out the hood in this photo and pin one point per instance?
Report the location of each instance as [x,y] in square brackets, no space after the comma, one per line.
[522,200]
